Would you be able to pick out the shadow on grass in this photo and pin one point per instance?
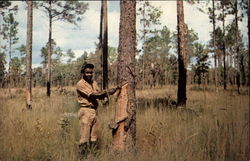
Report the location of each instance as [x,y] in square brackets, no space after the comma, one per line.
[158,103]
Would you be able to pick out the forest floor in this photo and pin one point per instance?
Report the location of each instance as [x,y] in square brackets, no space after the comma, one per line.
[214,126]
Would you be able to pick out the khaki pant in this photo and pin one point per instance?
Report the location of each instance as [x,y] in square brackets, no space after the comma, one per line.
[88,125]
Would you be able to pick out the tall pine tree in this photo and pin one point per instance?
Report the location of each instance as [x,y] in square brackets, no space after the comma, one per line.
[68,11]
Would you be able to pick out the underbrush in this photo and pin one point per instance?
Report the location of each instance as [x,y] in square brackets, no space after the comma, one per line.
[213,126]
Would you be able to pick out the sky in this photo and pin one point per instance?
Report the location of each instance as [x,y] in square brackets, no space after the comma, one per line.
[84,37]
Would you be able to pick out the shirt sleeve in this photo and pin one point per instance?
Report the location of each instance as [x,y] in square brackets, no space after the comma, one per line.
[83,89]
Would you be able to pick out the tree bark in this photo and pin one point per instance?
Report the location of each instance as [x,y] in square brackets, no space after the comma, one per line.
[182,81]
[143,48]
[230,69]
[105,46]
[124,137]
[224,49]
[237,47]
[49,52]
[100,49]
[215,55]
[101,24]
[248,3]
[10,72]
[242,70]
[29,55]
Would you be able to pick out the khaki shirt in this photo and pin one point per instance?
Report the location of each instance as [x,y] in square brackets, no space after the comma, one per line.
[84,90]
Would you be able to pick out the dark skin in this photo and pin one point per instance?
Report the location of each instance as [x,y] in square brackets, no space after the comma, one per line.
[88,77]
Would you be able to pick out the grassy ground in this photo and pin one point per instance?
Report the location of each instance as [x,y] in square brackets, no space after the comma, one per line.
[213,126]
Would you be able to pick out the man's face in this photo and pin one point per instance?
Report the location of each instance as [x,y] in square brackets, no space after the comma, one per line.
[88,74]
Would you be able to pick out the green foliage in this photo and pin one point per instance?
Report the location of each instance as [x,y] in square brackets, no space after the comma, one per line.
[191,38]
[22,51]
[15,70]
[201,67]
[71,55]
[38,77]
[65,71]
[173,69]
[4,4]
[9,29]
[157,47]
[218,41]
[227,8]
[112,55]
[68,11]
[9,32]
[58,54]
[158,43]
[15,64]
[156,58]
[5,7]
[149,18]
[240,57]
[230,37]
[44,52]
[2,68]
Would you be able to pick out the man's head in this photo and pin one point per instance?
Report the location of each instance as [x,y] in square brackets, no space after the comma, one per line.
[87,72]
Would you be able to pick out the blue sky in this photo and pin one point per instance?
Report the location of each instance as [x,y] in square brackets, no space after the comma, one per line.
[67,36]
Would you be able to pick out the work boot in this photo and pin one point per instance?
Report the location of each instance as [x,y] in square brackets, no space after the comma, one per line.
[83,151]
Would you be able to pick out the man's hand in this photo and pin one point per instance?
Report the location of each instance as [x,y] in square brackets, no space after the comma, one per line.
[112,91]
[103,94]
[105,101]
[98,95]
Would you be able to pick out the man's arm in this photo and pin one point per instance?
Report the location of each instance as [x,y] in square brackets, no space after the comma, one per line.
[103,94]
[100,95]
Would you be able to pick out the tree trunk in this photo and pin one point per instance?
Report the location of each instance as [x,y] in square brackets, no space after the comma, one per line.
[100,48]
[182,81]
[230,70]
[124,137]
[248,3]
[242,70]
[49,52]
[144,40]
[237,47]
[214,48]
[224,49]
[29,55]
[10,72]
[105,46]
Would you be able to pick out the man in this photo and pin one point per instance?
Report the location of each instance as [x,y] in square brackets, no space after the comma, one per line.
[88,92]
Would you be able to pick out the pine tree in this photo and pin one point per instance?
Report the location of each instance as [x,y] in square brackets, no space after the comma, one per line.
[182,81]
[68,11]
[29,55]
[9,32]
[105,45]
[126,106]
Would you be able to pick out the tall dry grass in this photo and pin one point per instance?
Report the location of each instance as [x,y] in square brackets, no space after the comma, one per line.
[213,126]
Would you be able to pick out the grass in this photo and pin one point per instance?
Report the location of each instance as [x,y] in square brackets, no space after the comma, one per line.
[213,126]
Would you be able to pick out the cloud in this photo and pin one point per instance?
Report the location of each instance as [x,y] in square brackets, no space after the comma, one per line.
[67,36]
[192,16]
[113,28]
[169,13]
